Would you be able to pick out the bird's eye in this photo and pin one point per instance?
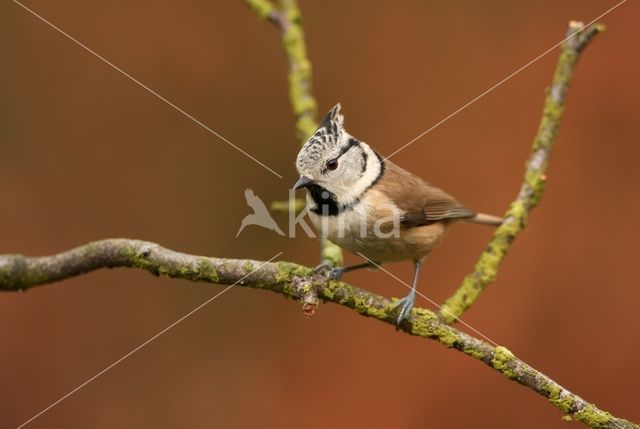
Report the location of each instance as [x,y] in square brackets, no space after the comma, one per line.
[332,164]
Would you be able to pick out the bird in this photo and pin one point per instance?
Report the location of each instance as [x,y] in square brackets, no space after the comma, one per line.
[371,207]
[260,215]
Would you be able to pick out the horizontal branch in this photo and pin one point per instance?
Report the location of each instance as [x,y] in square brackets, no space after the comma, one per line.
[515,220]
[295,281]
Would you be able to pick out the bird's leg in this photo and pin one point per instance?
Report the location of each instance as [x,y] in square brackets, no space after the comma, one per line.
[336,273]
[406,304]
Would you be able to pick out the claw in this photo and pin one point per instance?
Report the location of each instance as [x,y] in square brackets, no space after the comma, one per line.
[405,305]
[332,273]
[324,266]
[335,273]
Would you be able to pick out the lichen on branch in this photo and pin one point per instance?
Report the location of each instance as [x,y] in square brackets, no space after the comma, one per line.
[517,216]
[18,273]
[295,281]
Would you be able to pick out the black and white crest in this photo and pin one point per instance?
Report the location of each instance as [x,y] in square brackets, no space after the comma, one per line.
[335,167]
[332,122]
[327,136]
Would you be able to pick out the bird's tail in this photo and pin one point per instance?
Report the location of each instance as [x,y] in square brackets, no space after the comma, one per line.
[485,219]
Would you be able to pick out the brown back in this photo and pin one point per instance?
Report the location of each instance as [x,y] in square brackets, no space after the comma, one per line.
[422,202]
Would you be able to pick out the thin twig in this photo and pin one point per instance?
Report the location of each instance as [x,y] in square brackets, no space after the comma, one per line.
[295,205]
[265,10]
[289,20]
[19,273]
[486,269]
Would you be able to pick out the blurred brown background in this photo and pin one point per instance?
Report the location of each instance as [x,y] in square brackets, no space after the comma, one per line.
[87,154]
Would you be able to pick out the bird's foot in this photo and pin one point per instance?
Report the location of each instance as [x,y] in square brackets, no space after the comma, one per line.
[405,305]
[331,272]
[336,273]
[324,266]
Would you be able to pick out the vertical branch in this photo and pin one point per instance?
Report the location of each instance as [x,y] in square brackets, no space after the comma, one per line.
[302,101]
[531,190]
[289,19]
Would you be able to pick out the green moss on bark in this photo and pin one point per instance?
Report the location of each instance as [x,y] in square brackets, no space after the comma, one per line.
[426,324]
[503,361]
[286,271]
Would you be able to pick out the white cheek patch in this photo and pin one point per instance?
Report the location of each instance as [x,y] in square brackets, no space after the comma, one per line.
[349,194]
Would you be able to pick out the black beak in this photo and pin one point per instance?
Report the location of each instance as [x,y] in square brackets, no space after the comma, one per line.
[302,182]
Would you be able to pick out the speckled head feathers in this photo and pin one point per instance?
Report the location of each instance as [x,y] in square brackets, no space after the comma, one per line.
[332,160]
[324,139]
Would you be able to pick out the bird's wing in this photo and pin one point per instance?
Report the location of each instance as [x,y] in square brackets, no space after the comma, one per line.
[421,202]
[253,201]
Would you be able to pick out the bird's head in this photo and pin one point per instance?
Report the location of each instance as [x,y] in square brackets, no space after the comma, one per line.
[335,161]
